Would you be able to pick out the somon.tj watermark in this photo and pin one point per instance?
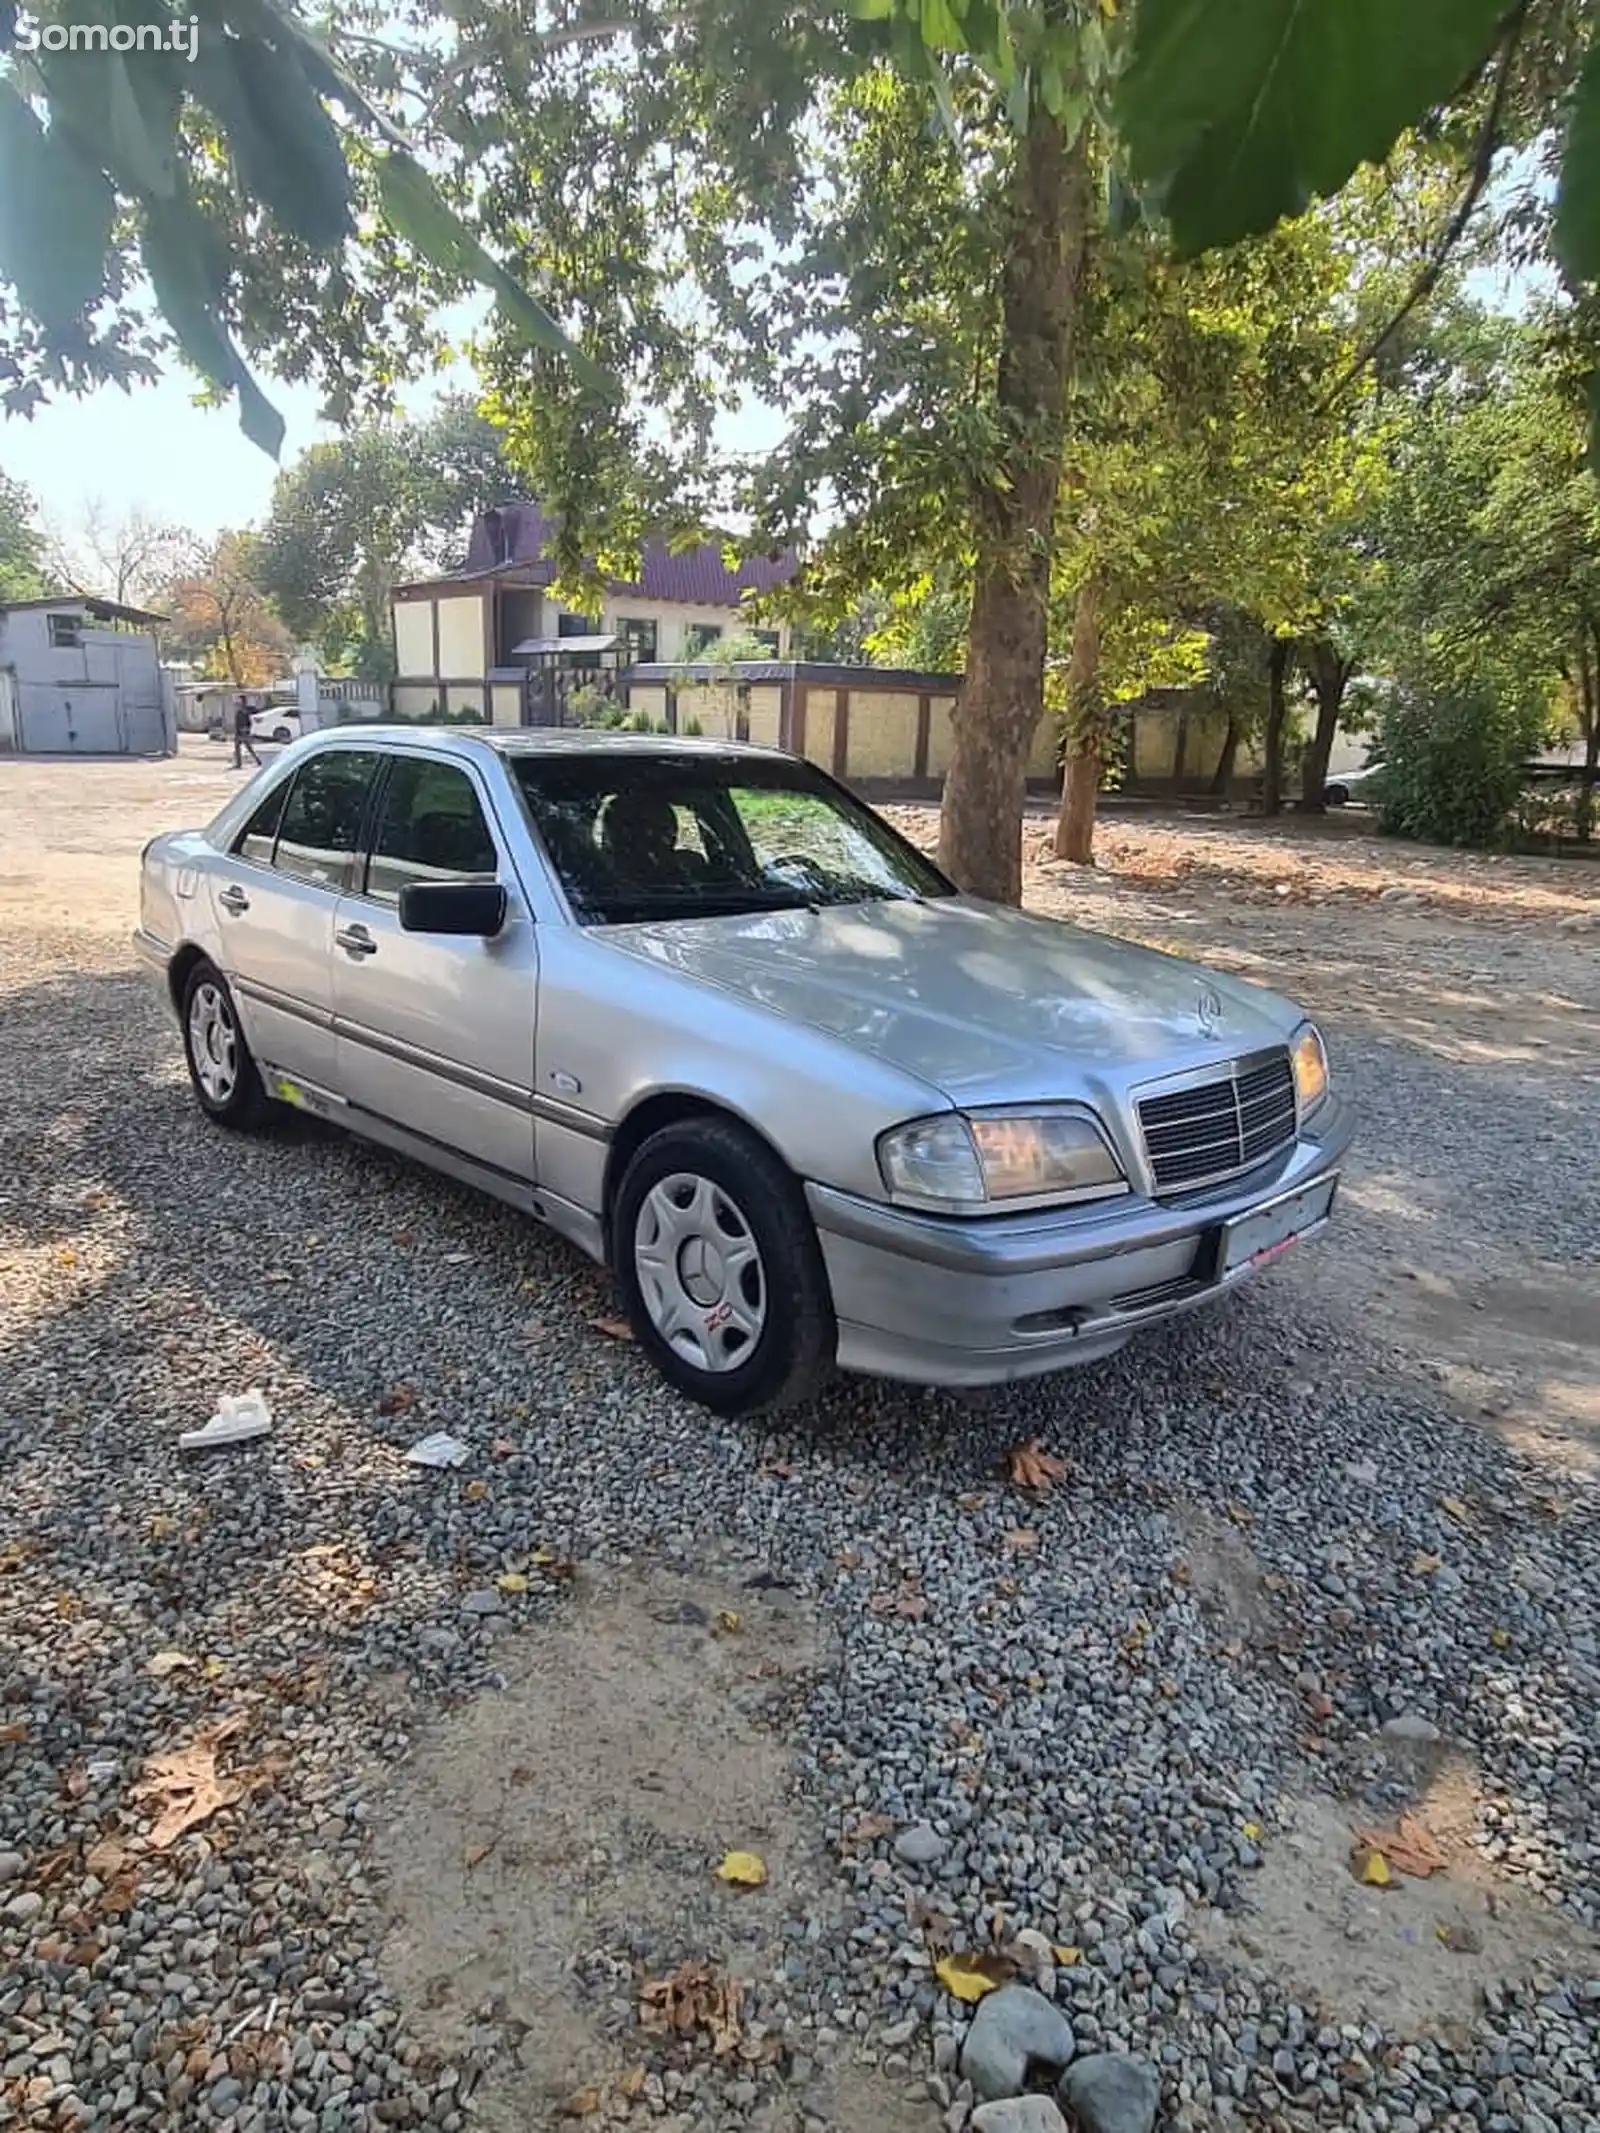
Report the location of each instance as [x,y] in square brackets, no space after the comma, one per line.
[178,34]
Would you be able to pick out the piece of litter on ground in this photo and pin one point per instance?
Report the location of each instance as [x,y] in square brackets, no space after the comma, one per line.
[441,1449]
[239,1417]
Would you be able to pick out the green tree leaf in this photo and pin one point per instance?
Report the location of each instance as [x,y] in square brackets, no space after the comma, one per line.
[56,213]
[1577,230]
[1244,111]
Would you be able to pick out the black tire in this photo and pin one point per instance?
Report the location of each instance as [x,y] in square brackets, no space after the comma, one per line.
[790,1357]
[242,1103]
[1335,796]
[282,733]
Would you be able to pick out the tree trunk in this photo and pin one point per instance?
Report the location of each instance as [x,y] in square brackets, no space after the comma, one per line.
[1002,696]
[1589,714]
[1330,677]
[1080,785]
[1277,720]
[1222,776]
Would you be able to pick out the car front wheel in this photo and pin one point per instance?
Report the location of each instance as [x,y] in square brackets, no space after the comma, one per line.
[720,1270]
[224,1075]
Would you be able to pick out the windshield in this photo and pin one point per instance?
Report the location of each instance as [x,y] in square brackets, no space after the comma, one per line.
[637,837]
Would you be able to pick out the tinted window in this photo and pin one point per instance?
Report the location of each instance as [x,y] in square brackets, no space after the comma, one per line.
[432,829]
[701,835]
[256,839]
[321,825]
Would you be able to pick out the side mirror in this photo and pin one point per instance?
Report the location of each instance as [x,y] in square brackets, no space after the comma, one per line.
[473,908]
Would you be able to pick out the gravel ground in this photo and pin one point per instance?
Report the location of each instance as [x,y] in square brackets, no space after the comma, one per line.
[1335,1544]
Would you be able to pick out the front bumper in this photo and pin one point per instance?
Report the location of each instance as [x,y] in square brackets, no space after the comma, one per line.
[942,1301]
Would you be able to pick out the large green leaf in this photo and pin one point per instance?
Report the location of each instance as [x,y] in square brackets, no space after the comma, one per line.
[416,209]
[285,148]
[1243,111]
[177,250]
[1577,233]
[56,213]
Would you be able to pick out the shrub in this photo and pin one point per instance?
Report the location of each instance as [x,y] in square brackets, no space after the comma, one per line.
[1453,763]
[692,727]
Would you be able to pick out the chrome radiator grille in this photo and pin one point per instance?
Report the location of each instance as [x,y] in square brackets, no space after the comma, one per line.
[1222,1126]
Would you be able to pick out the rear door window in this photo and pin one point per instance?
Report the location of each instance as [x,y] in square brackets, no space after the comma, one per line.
[319,832]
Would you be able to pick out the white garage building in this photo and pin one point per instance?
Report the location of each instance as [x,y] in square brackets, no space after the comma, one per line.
[81,676]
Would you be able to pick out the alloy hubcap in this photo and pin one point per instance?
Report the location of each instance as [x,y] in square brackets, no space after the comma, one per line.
[213,1043]
[700,1272]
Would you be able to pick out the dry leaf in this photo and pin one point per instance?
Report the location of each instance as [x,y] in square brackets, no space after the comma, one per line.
[1423,1565]
[907,1602]
[728,1621]
[398,1402]
[969,1977]
[476,1492]
[1459,1939]
[165,1663]
[1067,1957]
[780,1469]
[186,1786]
[1454,1508]
[555,1567]
[849,1560]
[502,1448]
[869,1829]
[75,1782]
[614,1329]
[1022,1540]
[511,1581]
[744,1870]
[1250,1831]
[13,1733]
[214,1669]
[1410,1847]
[583,2104]
[402,1237]
[632,2082]
[106,1859]
[1499,1638]
[162,1527]
[475,1854]
[974,1500]
[694,1997]
[1182,1574]
[1241,1514]
[1372,1868]
[1030,1466]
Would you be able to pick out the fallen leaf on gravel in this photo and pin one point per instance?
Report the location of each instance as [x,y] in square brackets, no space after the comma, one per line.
[66,1256]
[780,1469]
[614,1329]
[1066,1956]
[1460,1940]
[502,1448]
[402,1237]
[162,1528]
[1423,1565]
[75,1782]
[1240,1514]
[694,1997]
[476,1492]
[1499,1638]
[1454,1508]
[1411,1847]
[969,1977]
[1022,1540]
[165,1663]
[14,1554]
[511,1581]
[554,1566]
[51,1865]
[849,1560]
[974,1500]
[186,1785]
[398,1402]
[475,1854]
[13,1733]
[744,1870]
[728,1622]
[1250,1831]
[214,1669]
[1181,1573]
[106,1859]
[583,2103]
[869,1829]
[121,1896]
[632,2082]
[1030,1466]
[1320,1704]
[1372,1868]
[907,1602]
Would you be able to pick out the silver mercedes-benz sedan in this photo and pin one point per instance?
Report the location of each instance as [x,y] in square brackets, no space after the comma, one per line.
[702,1011]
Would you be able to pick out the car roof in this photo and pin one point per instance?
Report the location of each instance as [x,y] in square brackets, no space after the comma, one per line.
[543,740]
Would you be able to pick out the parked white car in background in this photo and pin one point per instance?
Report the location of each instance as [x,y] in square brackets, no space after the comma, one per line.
[279,722]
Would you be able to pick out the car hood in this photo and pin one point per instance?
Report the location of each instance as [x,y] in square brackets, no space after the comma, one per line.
[984,1002]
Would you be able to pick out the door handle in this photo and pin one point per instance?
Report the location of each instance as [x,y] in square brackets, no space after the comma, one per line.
[356,940]
[234,900]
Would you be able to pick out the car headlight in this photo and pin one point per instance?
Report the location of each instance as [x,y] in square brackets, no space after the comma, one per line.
[973,1162]
[1310,1063]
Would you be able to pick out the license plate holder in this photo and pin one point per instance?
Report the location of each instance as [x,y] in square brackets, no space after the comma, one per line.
[1266,1233]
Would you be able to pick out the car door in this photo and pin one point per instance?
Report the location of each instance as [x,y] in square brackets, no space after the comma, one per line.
[435,1033]
[274,896]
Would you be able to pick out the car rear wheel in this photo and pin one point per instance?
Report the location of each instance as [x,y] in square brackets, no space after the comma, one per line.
[226,1083]
[720,1270]
[282,733]
[1335,795]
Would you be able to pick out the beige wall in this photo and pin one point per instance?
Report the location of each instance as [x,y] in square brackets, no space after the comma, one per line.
[766,717]
[819,727]
[413,636]
[460,635]
[420,700]
[939,736]
[507,704]
[883,734]
[464,699]
[1046,742]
